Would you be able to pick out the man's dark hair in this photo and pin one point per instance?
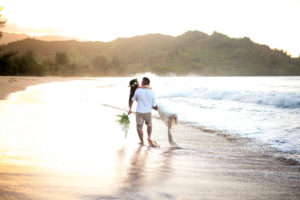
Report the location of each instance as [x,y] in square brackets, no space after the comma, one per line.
[146,81]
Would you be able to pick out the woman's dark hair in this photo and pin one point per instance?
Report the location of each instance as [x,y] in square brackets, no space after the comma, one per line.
[133,84]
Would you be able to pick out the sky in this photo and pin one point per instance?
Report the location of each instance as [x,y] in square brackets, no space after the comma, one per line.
[271,22]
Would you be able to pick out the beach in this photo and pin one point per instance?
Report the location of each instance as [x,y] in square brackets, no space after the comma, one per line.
[53,147]
[10,84]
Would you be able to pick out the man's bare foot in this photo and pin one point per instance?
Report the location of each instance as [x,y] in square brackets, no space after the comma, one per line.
[152,143]
[141,143]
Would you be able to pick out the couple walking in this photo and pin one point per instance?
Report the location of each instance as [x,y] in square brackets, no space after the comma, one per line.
[145,103]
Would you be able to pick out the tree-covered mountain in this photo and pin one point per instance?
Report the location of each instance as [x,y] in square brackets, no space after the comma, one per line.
[193,52]
[13,37]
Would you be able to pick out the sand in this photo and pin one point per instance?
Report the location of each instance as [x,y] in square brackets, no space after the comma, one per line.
[102,165]
[9,84]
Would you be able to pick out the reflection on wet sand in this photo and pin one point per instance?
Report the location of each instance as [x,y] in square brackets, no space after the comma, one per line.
[137,170]
[135,175]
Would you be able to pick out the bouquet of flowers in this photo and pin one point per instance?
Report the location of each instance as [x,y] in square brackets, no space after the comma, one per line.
[124,122]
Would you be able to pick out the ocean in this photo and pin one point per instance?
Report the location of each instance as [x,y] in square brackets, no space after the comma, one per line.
[265,110]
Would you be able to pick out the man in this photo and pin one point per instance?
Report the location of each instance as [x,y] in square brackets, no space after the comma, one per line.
[145,102]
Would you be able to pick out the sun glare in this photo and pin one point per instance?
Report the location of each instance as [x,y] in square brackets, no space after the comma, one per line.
[75,132]
[266,22]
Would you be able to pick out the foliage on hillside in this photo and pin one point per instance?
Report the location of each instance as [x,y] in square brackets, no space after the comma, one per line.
[191,53]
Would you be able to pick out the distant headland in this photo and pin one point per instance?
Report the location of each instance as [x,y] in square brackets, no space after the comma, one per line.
[193,52]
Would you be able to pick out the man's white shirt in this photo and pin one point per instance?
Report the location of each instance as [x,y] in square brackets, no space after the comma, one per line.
[145,100]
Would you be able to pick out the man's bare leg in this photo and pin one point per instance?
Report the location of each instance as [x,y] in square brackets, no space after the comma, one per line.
[151,142]
[140,133]
[149,131]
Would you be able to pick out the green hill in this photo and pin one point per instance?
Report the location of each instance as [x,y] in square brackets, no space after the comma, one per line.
[193,52]
[12,37]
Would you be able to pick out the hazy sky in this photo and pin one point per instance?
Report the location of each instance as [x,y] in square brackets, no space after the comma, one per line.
[271,22]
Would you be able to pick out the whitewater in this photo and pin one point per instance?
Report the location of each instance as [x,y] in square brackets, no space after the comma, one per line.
[265,110]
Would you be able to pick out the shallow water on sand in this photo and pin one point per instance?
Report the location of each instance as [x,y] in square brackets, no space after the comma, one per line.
[55,143]
[263,109]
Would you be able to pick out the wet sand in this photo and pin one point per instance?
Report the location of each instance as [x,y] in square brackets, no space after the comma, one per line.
[98,163]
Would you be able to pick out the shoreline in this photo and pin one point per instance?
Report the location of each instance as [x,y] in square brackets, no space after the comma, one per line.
[251,144]
[249,173]
[11,84]
[208,165]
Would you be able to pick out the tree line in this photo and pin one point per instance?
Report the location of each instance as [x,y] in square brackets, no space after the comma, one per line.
[24,65]
[13,64]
